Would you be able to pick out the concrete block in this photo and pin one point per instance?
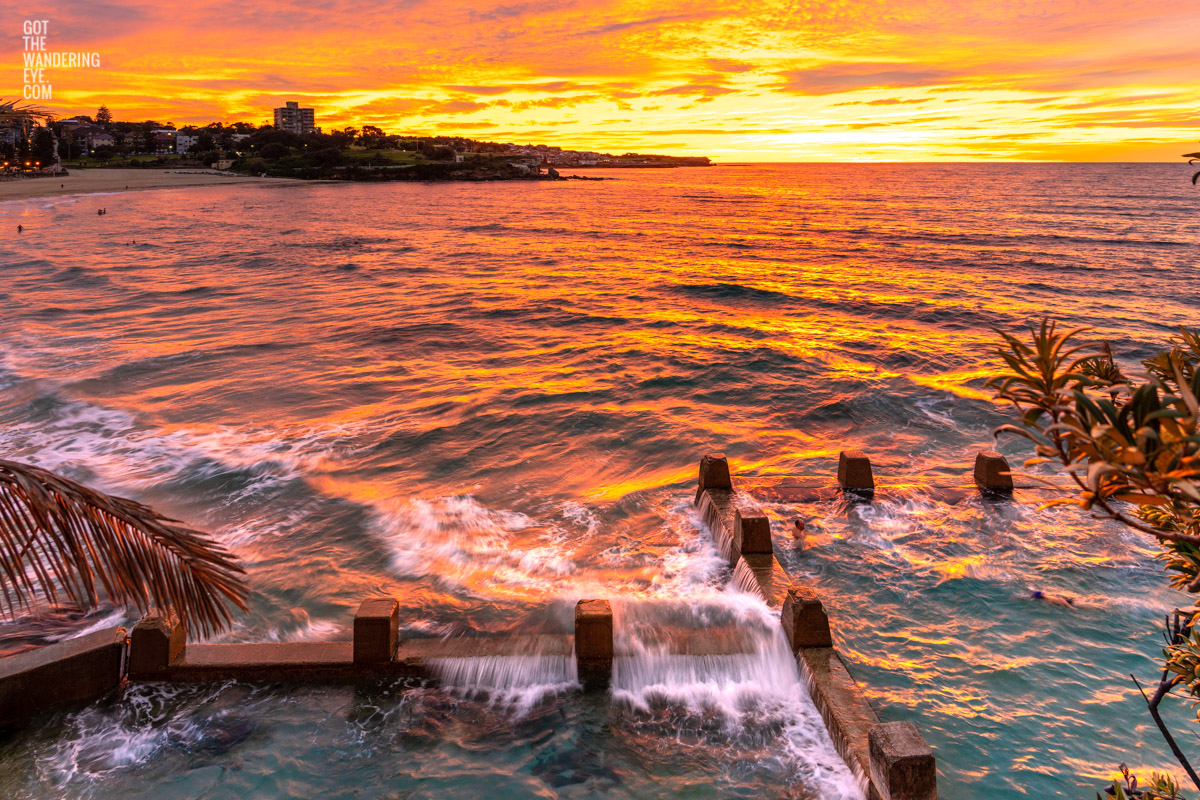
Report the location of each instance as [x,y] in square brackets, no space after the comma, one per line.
[992,473]
[714,474]
[375,630]
[804,620]
[751,531]
[854,472]
[77,669]
[902,763]
[157,640]
[594,643]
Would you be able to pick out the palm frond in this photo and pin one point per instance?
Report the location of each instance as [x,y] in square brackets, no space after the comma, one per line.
[15,110]
[58,537]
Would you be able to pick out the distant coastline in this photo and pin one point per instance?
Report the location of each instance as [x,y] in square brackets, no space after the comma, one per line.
[102,180]
[444,163]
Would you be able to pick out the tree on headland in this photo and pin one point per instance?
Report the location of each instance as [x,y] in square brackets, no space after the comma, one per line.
[103,116]
[45,148]
[328,157]
[60,540]
[436,152]
[1131,446]
[343,138]
[371,137]
[274,151]
[66,145]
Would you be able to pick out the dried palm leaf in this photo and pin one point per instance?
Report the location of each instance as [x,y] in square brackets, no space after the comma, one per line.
[58,537]
[14,111]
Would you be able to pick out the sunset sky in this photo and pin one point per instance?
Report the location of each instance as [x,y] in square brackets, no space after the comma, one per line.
[798,81]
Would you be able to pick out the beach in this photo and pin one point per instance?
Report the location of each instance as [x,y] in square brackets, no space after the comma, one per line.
[90,181]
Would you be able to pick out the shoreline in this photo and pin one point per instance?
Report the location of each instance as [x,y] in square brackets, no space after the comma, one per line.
[104,181]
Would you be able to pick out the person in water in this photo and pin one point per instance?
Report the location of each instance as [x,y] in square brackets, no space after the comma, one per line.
[798,533]
[1054,599]
[20,228]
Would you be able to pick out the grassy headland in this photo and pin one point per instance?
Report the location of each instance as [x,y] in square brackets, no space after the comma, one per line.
[345,155]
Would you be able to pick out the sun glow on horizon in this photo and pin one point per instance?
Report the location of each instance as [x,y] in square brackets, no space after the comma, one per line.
[809,80]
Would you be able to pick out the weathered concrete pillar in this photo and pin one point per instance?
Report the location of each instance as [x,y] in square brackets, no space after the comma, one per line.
[854,472]
[902,763]
[992,473]
[157,640]
[751,532]
[804,620]
[714,474]
[375,630]
[594,643]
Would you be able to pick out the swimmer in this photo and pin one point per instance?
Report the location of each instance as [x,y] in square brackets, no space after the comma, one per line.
[798,533]
[1054,599]
[20,228]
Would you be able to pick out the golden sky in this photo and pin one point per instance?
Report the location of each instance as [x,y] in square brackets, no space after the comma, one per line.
[765,81]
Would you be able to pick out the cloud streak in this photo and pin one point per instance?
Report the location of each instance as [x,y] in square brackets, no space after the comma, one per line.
[850,77]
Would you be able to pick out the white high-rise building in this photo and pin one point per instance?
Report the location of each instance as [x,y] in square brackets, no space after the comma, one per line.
[294,119]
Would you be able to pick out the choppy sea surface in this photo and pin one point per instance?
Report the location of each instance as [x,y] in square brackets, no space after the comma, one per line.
[489,400]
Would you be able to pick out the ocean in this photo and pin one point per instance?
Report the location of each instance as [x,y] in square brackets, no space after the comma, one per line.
[490,400]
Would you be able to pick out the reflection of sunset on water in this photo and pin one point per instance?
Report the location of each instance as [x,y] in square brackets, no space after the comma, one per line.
[488,402]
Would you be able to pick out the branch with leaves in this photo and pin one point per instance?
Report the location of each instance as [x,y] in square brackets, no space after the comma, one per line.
[1192,159]
[61,540]
[1128,443]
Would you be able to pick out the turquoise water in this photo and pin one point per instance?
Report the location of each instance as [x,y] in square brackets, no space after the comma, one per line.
[489,401]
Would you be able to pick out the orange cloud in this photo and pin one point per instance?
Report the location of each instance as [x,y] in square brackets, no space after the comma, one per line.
[840,78]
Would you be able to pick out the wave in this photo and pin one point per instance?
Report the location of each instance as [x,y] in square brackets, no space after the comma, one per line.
[731,291]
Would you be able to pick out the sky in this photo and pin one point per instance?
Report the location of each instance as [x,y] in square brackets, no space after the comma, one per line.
[807,80]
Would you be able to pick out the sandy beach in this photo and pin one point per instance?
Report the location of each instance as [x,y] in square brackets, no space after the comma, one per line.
[85,181]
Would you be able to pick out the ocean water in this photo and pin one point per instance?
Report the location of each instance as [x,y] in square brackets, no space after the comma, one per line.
[489,400]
